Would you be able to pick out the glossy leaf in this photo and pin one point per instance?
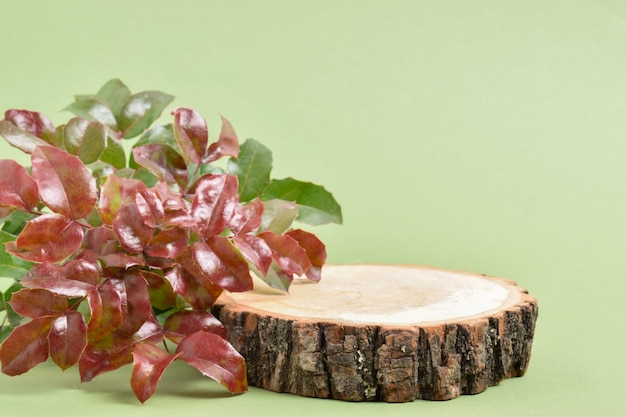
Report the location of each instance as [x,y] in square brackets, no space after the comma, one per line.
[222,264]
[189,282]
[277,278]
[164,161]
[170,243]
[105,304]
[248,217]
[67,339]
[54,278]
[26,346]
[140,110]
[315,204]
[160,290]
[315,251]
[93,109]
[279,215]
[102,240]
[183,323]
[115,93]
[115,192]
[47,238]
[66,186]
[33,303]
[214,204]
[81,270]
[149,363]
[36,124]
[215,358]
[135,301]
[252,167]
[227,144]
[133,234]
[191,133]
[287,253]
[255,250]
[17,188]
[114,153]
[19,138]
[11,266]
[150,207]
[85,139]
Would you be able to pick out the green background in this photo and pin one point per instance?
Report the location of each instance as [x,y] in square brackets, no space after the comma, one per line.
[486,136]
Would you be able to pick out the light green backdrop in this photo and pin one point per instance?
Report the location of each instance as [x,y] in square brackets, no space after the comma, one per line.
[487,136]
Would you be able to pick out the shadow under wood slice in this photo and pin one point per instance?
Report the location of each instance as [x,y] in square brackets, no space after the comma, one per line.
[383,333]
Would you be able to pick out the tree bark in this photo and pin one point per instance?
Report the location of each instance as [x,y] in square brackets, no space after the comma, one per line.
[383,333]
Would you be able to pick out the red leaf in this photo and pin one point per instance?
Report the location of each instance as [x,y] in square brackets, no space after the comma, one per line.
[215,358]
[227,144]
[81,270]
[222,264]
[255,250]
[174,206]
[191,284]
[287,253]
[48,276]
[66,185]
[150,207]
[183,323]
[170,243]
[135,301]
[116,192]
[102,240]
[214,204]
[315,251]
[247,217]
[17,188]
[35,303]
[36,124]
[163,161]
[122,260]
[149,363]
[106,310]
[47,238]
[133,234]
[191,133]
[67,339]
[26,346]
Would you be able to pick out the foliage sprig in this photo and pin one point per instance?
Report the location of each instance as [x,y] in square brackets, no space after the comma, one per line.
[118,259]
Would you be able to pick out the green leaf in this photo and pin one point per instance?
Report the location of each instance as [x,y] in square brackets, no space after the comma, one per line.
[140,110]
[11,266]
[252,167]
[115,93]
[93,109]
[162,134]
[84,139]
[15,222]
[315,204]
[113,153]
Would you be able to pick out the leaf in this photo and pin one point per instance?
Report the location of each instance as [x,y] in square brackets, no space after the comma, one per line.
[66,186]
[140,110]
[214,204]
[150,207]
[277,278]
[287,253]
[16,222]
[252,167]
[34,123]
[11,266]
[85,139]
[105,304]
[115,192]
[215,358]
[315,204]
[19,138]
[190,282]
[93,109]
[227,144]
[48,276]
[248,217]
[278,215]
[11,316]
[161,293]
[26,346]
[115,93]
[315,251]
[222,264]
[135,301]
[170,243]
[113,153]
[47,238]
[33,303]
[149,363]
[133,234]
[255,250]
[17,188]
[191,133]
[102,240]
[164,161]
[183,323]
[67,339]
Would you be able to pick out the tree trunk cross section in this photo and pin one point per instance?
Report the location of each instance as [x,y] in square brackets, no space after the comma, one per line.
[383,333]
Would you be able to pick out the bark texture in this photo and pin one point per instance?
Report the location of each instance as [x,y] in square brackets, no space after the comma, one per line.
[370,362]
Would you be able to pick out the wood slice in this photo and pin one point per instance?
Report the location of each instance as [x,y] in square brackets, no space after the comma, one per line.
[381,332]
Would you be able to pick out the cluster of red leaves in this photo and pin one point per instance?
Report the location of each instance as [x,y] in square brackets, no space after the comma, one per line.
[119,266]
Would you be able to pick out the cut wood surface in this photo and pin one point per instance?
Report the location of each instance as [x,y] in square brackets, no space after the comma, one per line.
[383,333]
